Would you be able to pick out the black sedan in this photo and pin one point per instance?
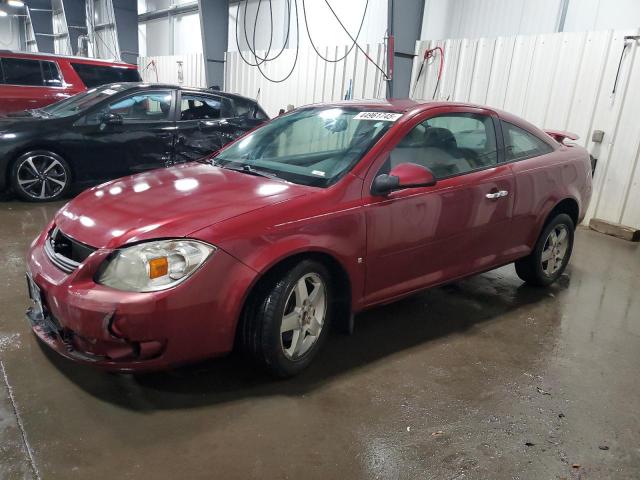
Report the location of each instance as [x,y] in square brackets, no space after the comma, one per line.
[116,130]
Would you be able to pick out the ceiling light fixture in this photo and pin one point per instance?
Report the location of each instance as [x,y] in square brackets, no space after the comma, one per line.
[16,3]
[3,13]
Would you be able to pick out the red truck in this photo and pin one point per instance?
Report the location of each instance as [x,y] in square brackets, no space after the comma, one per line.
[35,80]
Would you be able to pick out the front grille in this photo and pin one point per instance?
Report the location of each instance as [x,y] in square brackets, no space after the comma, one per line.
[65,252]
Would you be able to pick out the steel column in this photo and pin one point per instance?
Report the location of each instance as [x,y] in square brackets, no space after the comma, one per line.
[214,22]
[126,19]
[405,24]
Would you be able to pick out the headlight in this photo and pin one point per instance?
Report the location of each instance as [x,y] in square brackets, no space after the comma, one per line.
[153,266]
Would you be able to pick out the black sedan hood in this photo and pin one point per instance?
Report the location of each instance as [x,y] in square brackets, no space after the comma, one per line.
[21,119]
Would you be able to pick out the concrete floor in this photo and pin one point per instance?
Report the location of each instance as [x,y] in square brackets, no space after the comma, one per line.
[486,378]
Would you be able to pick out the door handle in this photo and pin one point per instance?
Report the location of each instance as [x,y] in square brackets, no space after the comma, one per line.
[498,194]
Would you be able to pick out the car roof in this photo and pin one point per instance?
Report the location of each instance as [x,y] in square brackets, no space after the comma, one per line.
[401,105]
[147,86]
[52,56]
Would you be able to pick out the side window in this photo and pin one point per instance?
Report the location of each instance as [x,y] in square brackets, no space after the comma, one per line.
[51,74]
[140,107]
[193,107]
[521,144]
[96,75]
[448,145]
[249,109]
[18,71]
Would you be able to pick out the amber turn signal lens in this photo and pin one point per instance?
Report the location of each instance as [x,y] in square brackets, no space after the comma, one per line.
[158,267]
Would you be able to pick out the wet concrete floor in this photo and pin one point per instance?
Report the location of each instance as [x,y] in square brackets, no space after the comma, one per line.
[483,379]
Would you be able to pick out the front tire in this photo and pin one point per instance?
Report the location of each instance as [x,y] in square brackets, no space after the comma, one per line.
[551,253]
[287,322]
[40,176]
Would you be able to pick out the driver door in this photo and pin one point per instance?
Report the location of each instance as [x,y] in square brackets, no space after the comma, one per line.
[142,140]
[418,237]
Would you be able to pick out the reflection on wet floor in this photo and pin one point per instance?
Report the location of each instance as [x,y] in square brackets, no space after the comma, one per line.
[484,378]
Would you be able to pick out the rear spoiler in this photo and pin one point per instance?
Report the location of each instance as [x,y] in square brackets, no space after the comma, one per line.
[559,135]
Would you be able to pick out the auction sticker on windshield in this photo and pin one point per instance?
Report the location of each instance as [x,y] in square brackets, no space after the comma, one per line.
[385,116]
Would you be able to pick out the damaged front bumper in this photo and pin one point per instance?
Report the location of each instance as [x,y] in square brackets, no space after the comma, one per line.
[130,331]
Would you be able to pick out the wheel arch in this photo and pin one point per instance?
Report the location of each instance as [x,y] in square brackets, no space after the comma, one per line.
[567,205]
[338,272]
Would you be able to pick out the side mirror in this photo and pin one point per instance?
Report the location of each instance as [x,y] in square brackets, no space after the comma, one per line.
[405,175]
[111,119]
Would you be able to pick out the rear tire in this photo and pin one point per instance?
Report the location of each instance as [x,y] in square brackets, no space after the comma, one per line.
[551,253]
[286,322]
[40,176]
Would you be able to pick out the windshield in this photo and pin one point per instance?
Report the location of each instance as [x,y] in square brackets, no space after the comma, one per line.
[313,146]
[82,101]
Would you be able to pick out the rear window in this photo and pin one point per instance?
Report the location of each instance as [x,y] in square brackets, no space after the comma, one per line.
[96,75]
[36,73]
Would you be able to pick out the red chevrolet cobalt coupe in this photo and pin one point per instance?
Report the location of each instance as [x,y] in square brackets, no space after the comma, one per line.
[317,215]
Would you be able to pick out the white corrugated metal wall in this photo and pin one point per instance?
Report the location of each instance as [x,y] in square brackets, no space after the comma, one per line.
[313,79]
[562,81]
[185,70]
[478,18]
[492,18]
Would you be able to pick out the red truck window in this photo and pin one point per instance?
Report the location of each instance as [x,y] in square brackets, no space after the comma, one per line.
[96,75]
[18,71]
[37,73]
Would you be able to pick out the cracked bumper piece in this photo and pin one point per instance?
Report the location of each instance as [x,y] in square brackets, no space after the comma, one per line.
[116,352]
[130,331]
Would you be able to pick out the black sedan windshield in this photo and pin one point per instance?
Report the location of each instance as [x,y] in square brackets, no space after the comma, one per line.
[82,101]
[313,146]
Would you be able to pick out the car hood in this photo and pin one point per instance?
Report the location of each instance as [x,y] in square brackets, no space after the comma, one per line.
[19,116]
[20,119]
[172,202]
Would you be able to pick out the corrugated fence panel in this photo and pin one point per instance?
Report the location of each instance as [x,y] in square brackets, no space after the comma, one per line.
[562,81]
[543,66]
[482,70]
[499,77]
[623,154]
[313,80]
[594,59]
[519,74]
[166,69]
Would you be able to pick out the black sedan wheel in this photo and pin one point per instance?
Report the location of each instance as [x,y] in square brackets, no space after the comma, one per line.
[40,176]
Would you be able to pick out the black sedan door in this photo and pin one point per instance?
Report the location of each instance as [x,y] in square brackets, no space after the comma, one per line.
[205,123]
[132,134]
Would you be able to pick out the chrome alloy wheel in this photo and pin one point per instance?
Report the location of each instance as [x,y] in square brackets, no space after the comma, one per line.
[304,315]
[555,250]
[41,176]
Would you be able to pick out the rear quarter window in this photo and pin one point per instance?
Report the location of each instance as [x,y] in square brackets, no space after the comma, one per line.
[520,144]
[249,109]
[51,74]
[96,75]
